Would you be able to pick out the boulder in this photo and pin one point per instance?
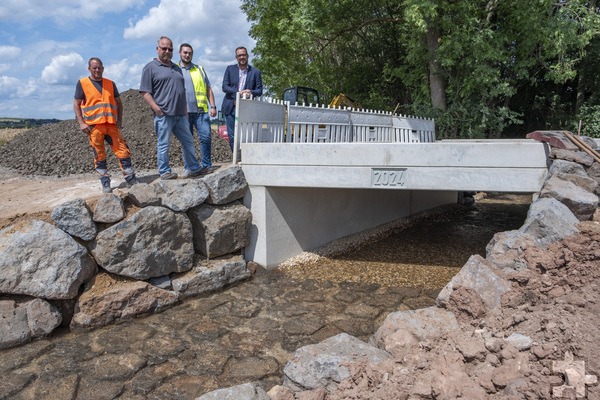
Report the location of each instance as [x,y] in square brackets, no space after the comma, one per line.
[181,195]
[163,282]
[144,195]
[580,200]
[506,250]
[220,230]
[247,391]
[425,324]
[109,209]
[478,275]
[279,392]
[594,173]
[584,182]
[327,363]
[549,220]
[110,299]
[226,185]
[22,322]
[579,157]
[566,167]
[520,342]
[152,242]
[75,218]
[555,138]
[209,276]
[40,260]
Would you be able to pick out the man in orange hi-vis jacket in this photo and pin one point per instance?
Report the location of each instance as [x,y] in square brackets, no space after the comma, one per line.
[99,111]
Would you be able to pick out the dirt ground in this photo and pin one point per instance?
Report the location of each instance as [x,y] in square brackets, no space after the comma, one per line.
[39,195]
[556,303]
[35,196]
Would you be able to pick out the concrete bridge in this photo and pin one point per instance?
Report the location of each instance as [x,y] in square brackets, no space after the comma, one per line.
[333,173]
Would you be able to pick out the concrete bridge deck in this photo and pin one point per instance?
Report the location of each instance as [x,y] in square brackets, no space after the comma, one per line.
[304,195]
[461,165]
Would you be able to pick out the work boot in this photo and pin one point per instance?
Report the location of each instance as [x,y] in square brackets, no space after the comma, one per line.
[131,180]
[105,181]
[189,174]
[168,176]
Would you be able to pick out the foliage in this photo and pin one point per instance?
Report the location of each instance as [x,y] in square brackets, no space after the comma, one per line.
[590,121]
[12,123]
[480,67]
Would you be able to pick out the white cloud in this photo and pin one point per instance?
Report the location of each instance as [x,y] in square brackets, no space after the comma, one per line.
[8,86]
[212,24]
[29,89]
[214,28]
[9,52]
[63,69]
[62,11]
[47,47]
[126,76]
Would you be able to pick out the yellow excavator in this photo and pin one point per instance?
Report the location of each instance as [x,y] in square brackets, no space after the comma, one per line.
[307,95]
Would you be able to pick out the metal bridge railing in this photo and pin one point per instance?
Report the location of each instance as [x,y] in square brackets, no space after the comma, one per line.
[265,120]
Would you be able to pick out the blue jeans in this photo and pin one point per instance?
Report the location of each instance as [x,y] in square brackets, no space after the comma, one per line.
[202,123]
[230,122]
[178,124]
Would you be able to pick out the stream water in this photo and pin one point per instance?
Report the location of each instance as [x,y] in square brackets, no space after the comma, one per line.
[248,332]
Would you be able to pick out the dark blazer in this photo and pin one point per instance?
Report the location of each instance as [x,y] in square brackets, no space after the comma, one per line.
[231,80]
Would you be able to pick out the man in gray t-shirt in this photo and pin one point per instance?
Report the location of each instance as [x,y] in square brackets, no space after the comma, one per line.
[162,86]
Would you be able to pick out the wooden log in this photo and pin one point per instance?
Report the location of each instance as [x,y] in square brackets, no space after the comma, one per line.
[583,145]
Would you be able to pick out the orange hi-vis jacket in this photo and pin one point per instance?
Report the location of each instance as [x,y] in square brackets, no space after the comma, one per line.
[99,108]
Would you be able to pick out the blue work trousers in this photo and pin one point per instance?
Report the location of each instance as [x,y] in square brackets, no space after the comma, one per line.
[179,125]
[201,121]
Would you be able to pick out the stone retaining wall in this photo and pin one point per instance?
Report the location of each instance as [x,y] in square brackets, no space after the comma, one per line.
[137,252]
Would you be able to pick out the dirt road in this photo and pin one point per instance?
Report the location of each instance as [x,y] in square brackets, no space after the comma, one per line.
[38,195]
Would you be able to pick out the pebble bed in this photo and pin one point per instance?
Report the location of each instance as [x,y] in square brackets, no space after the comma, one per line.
[248,332]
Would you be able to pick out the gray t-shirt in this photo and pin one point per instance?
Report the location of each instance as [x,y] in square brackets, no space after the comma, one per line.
[165,84]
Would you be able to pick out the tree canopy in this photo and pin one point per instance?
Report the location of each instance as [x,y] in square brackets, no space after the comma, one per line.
[482,68]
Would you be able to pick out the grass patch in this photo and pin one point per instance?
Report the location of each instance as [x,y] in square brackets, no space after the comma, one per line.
[6,135]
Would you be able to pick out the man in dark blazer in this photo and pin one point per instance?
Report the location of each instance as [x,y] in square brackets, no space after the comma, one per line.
[243,78]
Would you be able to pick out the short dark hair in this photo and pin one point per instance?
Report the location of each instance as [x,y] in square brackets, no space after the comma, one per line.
[94,59]
[186,45]
[240,48]
[163,37]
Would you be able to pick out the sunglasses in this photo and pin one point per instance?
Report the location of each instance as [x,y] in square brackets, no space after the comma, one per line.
[166,48]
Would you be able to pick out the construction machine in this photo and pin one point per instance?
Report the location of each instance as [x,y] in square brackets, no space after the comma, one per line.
[341,100]
[307,95]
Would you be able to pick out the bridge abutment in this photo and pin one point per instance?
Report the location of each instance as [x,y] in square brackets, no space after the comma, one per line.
[290,220]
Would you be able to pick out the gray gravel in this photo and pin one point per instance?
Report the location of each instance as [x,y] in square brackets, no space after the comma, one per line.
[62,149]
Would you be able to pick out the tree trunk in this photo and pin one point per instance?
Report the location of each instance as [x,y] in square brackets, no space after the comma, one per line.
[437,82]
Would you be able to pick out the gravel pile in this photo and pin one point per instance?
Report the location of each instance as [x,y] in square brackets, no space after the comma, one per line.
[62,149]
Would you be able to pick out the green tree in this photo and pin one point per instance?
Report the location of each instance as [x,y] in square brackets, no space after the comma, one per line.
[477,66]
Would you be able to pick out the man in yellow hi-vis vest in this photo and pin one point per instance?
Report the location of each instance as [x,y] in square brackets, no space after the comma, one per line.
[99,111]
[200,102]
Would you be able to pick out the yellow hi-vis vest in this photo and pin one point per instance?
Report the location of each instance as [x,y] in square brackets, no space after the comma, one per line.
[198,74]
[99,108]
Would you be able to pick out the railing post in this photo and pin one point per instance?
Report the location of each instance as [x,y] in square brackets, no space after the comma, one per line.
[236,135]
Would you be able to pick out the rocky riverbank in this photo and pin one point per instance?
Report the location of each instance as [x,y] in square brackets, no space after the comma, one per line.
[138,253]
[520,323]
[248,332]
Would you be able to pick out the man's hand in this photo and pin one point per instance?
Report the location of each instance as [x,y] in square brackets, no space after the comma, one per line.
[85,128]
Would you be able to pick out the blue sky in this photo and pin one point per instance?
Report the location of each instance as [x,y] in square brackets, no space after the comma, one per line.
[45,45]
